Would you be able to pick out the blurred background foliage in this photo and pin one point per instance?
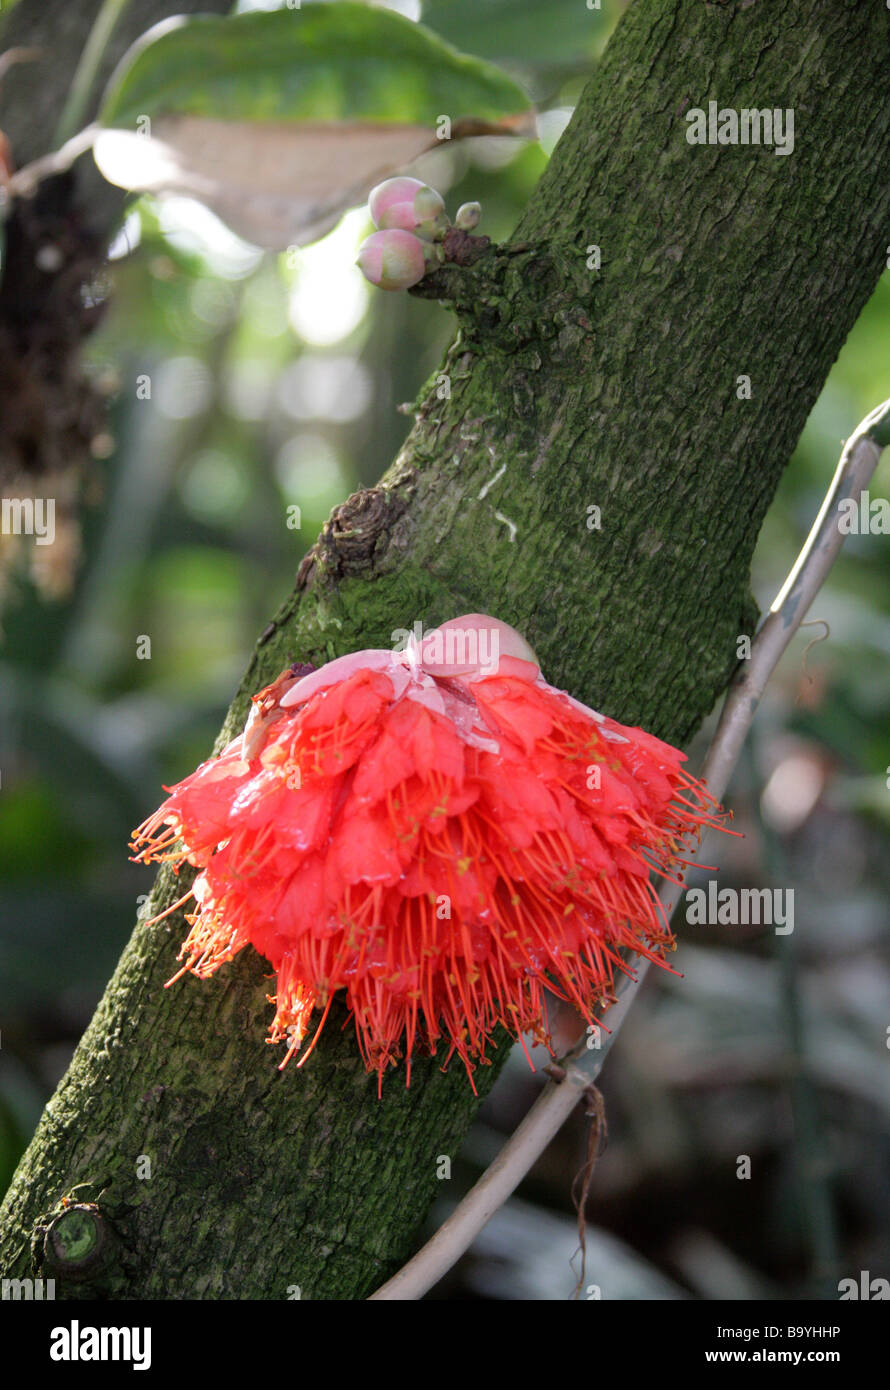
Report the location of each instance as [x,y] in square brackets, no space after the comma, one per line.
[242,386]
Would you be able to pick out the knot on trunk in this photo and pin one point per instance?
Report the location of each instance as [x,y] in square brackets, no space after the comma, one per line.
[353,533]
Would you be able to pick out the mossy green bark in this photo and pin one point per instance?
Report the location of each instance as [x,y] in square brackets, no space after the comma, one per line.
[570,389]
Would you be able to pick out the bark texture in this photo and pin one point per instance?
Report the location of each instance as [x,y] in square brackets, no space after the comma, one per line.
[570,389]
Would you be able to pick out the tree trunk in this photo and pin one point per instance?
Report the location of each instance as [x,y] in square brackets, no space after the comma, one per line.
[570,389]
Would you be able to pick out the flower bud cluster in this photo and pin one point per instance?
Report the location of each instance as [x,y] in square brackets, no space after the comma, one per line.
[412,224]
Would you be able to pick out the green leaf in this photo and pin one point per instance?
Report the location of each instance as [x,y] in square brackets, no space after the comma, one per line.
[522,32]
[281,120]
[331,62]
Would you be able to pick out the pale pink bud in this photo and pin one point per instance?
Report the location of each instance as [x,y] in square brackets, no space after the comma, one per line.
[473,645]
[392,259]
[391,191]
[398,215]
[424,214]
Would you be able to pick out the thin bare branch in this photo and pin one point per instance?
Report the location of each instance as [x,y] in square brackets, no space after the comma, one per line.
[25,181]
[17,55]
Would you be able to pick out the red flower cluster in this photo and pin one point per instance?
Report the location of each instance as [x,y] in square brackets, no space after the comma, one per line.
[438,832]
